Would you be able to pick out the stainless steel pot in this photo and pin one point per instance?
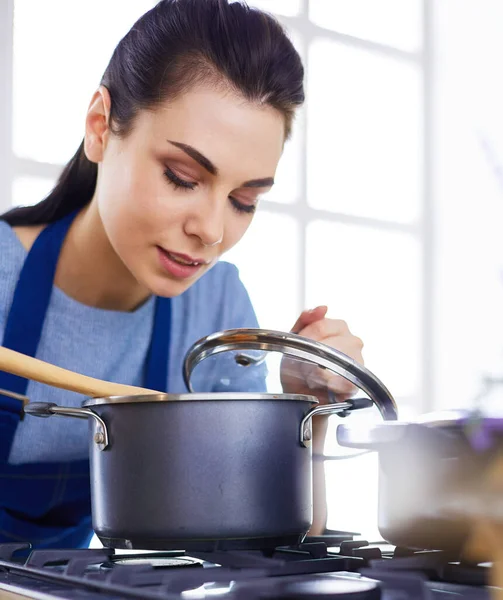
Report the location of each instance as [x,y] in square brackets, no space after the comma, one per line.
[432,476]
[203,470]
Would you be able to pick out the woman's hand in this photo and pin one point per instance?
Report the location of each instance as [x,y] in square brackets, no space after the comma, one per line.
[301,378]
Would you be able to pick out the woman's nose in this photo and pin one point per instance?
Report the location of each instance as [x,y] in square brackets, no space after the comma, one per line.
[207,222]
[219,241]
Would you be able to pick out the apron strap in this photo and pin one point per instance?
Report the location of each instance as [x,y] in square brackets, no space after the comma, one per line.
[31,298]
[156,375]
[26,319]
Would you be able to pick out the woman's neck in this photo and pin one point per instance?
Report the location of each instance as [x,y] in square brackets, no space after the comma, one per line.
[90,271]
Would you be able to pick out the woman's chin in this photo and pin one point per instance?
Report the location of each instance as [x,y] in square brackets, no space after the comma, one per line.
[169,287]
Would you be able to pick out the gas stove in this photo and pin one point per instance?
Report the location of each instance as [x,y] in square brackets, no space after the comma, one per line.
[334,566]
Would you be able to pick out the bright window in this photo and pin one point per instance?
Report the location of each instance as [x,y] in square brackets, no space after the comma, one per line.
[395,23]
[50,102]
[364,146]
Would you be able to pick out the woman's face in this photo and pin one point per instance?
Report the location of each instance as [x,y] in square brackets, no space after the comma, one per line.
[181,188]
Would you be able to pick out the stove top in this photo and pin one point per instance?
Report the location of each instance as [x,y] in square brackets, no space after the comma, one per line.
[335,566]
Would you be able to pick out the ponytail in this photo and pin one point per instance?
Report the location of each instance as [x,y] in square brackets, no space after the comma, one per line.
[74,189]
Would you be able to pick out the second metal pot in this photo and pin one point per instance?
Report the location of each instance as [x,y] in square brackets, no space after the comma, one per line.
[431,476]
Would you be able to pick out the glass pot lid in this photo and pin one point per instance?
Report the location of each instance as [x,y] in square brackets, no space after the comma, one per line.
[293,346]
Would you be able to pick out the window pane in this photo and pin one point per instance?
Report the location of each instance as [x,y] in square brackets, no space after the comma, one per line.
[288,8]
[364,146]
[395,23]
[268,261]
[30,190]
[372,280]
[288,182]
[57,66]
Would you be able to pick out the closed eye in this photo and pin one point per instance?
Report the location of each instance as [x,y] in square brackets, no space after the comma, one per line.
[183,184]
[178,182]
[242,208]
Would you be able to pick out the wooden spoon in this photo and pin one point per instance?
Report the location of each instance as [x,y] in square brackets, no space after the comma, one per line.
[43,372]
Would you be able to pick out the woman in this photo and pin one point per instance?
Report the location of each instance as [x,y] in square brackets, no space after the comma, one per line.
[115,273]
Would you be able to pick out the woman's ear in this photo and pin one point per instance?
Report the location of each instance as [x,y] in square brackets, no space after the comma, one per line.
[97,125]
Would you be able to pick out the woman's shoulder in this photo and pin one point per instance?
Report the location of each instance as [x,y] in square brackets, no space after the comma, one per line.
[220,281]
[12,249]
[223,270]
[220,298]
[15,242]
[27,234]
[12,255]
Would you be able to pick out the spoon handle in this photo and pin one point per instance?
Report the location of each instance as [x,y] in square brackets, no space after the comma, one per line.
[43,372]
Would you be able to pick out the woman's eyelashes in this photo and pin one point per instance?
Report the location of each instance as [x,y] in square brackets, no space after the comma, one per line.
[242,208]
[179,183]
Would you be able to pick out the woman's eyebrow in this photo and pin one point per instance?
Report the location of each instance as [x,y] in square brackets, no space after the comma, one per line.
[265,182]
[206,163]
[197,156]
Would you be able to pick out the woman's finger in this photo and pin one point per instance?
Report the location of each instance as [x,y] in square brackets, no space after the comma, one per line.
[309,316]
[323,329]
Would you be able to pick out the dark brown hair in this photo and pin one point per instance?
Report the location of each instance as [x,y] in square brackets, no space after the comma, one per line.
[170,49]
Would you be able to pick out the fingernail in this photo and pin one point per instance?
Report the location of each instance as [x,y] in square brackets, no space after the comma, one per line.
[312,310]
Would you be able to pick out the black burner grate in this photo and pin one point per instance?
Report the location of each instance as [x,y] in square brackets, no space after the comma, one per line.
[306,571]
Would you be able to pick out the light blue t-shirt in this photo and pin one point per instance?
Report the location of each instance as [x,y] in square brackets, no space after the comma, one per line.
[112,345]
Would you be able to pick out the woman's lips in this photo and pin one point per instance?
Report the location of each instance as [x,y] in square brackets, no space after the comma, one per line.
[180,266]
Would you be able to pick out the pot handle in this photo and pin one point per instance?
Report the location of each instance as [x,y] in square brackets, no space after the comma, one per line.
[48,409]
[295,346]
[429,433]
[341,408]
[376,437]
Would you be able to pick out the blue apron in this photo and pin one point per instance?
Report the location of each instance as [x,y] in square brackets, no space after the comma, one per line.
[49,504]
